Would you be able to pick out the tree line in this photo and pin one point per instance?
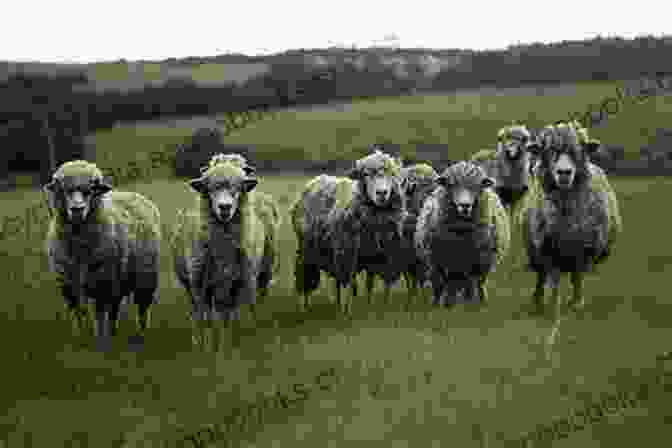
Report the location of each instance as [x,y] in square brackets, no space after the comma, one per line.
[42,111]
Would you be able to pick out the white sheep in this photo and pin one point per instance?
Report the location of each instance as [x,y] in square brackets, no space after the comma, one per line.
[102,244]
[463,233]
[225,247]
[346,225]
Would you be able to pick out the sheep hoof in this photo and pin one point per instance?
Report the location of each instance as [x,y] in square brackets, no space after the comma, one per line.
[136,340]
[104,344]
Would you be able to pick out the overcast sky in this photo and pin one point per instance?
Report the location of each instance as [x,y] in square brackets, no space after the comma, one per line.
[86,31]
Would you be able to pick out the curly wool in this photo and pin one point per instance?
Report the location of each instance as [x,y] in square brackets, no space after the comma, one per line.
[436,216]
[329,219]
[252,231]
[591,199]
[124,231]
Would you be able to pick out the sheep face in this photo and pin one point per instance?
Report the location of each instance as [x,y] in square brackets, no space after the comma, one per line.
[224,185]
[77,186]
[563,156]
[464,183]
[379,175]
[515,161]
[414,175]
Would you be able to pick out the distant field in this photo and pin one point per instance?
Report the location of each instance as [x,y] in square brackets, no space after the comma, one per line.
[135,75]
[465,121]
[462,377]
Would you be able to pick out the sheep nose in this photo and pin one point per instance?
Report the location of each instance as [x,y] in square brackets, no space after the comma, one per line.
[464,208]
[225,208]
[381,194]
[564,172]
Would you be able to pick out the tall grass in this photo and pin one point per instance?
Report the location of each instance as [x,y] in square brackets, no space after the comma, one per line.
[462,377]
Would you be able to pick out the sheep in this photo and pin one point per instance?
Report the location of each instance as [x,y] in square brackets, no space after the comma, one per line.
[571,218]
[417,183]
[102,244]
[225,247]
[509,164]
[462,234]
[346,225]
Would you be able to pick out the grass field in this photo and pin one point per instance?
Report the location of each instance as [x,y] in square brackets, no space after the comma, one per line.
[118,75]
[465,377]
[465,121]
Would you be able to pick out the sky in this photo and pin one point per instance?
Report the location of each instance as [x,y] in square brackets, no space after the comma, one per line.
[88,31]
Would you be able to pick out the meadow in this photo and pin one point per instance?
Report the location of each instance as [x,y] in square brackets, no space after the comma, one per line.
[465,121]
[116,75]
[425,377]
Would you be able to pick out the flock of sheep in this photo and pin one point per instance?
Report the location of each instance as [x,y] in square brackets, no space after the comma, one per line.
[448,230]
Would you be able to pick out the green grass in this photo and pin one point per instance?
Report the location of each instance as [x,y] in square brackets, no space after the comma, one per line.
[466,121]
[489,377]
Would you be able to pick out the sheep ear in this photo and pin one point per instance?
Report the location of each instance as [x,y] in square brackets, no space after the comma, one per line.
[443,181]
[199,185]
[355,174]
[250,184]
[101,187]
[488,182]
[51,186]
[591,147]
[249,170]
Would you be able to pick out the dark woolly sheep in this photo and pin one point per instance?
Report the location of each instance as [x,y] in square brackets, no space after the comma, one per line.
[102,244]
[571,219]
[349,225]
[224,248]
[418,181]
[463,233]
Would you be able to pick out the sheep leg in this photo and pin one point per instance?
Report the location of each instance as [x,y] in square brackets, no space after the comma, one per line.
[553,282]
[353,288]
[577,302]
[412,286]
[370,281]
[73,292]
[220,324]
[337,287]
[449,294]
[199,317]
[482,289]
[387,292]
[102,320]
[144,315]
[556,305]
[538,294]
[437,287]
[473,289]
[345,302]
[76,313]
[307,279]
